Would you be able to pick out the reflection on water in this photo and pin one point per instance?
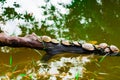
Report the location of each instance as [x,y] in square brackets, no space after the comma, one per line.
[63,69]
[80,20]
[109,69]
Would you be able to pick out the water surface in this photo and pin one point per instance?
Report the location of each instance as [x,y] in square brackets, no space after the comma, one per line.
[80,20]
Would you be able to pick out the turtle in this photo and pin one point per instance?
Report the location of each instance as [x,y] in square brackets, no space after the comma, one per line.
[39,38]
[54,41]
[107,50]
[66,42]
[114,49]
[96,46]
[46,38]
[88,46]
[103,45]
[76,43]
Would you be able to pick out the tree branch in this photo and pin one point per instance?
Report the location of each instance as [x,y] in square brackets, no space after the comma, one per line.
[32,41]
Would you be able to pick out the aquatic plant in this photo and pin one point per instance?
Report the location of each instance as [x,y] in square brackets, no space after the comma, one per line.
[37,52]
[77,75]
[102,58]
[11,60]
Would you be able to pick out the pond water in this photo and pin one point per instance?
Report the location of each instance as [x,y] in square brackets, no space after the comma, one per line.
[79,20]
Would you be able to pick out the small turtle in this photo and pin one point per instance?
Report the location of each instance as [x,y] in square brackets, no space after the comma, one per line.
[114,49]
[76,43]
[66,43]
[96,46]
[103,45]
[46,38]
[54,41]
[107,50]
[39,38]
[88,46]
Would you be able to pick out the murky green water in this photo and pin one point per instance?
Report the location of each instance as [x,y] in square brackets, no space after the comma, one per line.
[96,20]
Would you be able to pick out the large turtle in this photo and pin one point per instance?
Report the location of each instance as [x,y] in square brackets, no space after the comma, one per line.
[114,49]
[103,45]
[88,46]
[54,41]
[66,42]
[46,38]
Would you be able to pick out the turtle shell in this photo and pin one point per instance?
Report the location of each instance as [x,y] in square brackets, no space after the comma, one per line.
[76,43]
[46,38]
[96,46]
[103,45]
[114,49]
[66,43]
[54,41]
[107,50]
[39,39]
[88,46]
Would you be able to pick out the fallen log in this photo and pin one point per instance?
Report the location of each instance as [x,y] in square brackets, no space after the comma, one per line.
[52,46]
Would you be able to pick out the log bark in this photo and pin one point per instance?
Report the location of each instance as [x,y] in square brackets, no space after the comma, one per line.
[32,41]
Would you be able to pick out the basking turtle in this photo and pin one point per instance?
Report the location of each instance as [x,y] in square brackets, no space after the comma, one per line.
[66,43]
[114,49]
[54,41]
[103,45]
[107,50]
[96,46]
[88,46]
[46,38]
[76,43]
[39,38]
